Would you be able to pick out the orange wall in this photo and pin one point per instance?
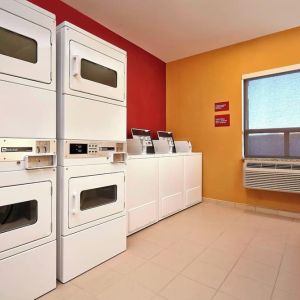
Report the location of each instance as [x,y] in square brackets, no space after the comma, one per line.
[195,83]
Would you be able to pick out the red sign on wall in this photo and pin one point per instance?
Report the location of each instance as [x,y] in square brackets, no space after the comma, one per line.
[222,120]
[222,106]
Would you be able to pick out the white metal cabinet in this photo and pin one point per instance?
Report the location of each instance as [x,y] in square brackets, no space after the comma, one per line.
[192,179]
[171,197]
[142,193]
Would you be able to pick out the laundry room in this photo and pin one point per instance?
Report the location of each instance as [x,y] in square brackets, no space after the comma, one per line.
[149,150]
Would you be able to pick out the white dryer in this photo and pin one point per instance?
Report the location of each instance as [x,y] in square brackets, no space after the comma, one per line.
[91,205]
[27,71]
[27,150]
[27,218]
[91,86]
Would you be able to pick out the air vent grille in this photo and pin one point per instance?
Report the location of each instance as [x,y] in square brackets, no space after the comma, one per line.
[274,176]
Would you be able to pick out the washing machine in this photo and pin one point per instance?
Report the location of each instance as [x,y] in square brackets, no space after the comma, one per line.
[27,218]
[91,205]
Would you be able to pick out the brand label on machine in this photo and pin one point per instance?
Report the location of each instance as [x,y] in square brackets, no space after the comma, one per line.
[16,149]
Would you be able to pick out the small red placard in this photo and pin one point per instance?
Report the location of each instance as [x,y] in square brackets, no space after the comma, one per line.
[222,120]
[222,106]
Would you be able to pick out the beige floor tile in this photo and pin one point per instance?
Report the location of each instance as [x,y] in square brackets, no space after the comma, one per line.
[230,247]
[219,258]
[275,244]
[126,289]
[294,239]
[223,296]
[152,276]
[187,248]
[96,280]
[238,235]
[183,288]
[158,298]
[162,237]
[284,295]
[204,236]
[244,288]
[262,255]
[172,260]
[67,291]
[124,262]
[204,243]
[288,282]
[205,273]
[142,248]
[291,261]
[256,271]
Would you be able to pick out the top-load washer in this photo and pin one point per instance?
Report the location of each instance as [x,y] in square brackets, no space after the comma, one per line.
[91,86]
[27,71]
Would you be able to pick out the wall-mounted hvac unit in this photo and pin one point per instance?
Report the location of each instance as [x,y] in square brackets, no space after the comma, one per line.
[281,176]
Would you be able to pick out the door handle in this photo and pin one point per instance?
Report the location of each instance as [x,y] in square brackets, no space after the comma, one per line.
[74,204]
[76,65]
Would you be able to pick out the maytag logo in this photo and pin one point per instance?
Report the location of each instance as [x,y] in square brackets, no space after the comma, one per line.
[16,149]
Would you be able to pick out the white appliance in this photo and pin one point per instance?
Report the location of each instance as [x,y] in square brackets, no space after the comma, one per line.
[91,86]
[27,71]
[91,199]
[27,150]
[27,218]
[91,109]
[160,185]
[272,175]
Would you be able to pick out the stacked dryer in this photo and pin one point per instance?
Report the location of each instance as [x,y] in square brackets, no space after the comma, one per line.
[92,150]
[27,151]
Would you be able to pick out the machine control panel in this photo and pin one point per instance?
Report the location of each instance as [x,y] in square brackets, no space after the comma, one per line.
[167,136]
[93,149]
[35,153]
[144,135]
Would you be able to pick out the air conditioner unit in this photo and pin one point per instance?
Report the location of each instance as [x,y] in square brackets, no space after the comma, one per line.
[275,175]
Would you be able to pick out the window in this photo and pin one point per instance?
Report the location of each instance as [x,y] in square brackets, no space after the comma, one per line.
[98,197]
[98,73]
[18,215]
[272,115]
[17,46]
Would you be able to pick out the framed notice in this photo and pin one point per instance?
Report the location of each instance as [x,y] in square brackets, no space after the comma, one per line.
[222,106]
[222,120]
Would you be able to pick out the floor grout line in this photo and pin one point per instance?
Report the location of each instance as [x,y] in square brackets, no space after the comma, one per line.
[278,271]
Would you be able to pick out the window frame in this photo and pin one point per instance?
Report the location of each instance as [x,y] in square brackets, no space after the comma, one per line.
[245,113]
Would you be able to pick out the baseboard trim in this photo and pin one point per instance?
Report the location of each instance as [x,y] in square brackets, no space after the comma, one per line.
[253,208]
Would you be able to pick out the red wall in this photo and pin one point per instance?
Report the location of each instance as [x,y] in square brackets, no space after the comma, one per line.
[146,74]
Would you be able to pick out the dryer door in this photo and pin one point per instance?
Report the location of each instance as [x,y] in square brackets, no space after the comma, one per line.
[25,214]
[25,48]
[94,197]
[95,73]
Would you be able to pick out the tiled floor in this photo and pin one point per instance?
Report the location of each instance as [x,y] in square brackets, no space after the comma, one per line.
[205,252]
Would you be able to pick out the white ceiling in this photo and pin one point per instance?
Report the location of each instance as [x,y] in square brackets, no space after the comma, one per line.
[173,29]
